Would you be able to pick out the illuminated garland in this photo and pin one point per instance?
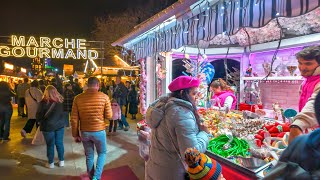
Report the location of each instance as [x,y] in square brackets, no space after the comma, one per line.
[161,75]
[143,86]
[301,25]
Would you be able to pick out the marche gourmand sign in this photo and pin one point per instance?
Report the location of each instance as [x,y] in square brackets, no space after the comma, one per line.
[45,47]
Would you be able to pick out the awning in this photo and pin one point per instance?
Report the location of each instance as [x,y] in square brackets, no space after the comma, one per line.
[227,17]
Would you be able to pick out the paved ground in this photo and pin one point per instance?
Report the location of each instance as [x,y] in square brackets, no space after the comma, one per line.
[21,160]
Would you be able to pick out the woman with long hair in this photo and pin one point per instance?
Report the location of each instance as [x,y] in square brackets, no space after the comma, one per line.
[50,118]
[176,126]
[5,110]
[223,95]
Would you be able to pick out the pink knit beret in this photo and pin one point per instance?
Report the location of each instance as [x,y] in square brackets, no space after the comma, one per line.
[183,82]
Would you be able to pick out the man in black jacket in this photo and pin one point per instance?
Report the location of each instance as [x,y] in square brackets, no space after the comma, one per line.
[120,94]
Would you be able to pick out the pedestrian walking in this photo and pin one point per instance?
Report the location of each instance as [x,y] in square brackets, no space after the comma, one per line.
[120,94]
[68,96]
[50,118]
[133,102]
[116,116]
[21,92]
[90,111]
[33,97]
[5,110]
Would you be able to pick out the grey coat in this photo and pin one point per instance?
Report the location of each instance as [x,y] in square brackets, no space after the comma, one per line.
[173,125]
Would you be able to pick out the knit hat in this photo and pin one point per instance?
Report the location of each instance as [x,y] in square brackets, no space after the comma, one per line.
[183,82]
[200,166]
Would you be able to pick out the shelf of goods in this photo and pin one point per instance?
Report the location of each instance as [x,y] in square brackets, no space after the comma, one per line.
[276,78]
[252,141]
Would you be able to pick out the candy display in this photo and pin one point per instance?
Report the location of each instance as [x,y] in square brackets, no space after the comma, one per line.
[275,129]
[238,147]
[276,144]
[245,139]
[246,128]
[216,120]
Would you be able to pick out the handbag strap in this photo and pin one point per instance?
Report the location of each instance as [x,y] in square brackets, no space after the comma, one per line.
[32,96]
[49,110]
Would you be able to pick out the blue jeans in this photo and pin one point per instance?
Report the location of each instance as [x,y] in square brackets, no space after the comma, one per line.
[99,140]
[54,138]
[5,118]
[123,121]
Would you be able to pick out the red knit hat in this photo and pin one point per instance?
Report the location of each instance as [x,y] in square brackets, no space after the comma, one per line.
[183,82]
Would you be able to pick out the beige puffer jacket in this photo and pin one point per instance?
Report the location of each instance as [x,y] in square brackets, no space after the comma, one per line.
[90,110]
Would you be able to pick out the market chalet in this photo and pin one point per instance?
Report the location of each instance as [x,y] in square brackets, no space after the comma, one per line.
[45,47]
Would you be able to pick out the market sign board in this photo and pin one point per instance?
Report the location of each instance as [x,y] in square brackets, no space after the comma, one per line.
[8,66]
[8,69]
[68,69]
[45,47]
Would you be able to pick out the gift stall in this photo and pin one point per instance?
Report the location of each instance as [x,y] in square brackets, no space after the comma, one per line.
[11,73]
[262,37]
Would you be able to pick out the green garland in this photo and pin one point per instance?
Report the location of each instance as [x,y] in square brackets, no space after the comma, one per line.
[238,147]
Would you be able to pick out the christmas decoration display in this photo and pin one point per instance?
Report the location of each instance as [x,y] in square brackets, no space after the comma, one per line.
[204,71]
[249,71]
[143,87]
[161,75]
[252,93]
[300,25]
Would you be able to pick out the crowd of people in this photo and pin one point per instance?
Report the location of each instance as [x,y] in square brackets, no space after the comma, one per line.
[51,105]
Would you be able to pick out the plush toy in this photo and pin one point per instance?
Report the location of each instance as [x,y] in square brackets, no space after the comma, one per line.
[249,71]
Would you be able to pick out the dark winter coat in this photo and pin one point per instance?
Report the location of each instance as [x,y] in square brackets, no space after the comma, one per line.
[5,97]
[76,88]
[120,94]
[54,120]
[68,96]
[133,102]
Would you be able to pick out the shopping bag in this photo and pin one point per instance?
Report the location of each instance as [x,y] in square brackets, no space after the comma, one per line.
[38,138]
[144,143]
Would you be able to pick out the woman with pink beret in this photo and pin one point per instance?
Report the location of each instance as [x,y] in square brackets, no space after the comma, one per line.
[175,127]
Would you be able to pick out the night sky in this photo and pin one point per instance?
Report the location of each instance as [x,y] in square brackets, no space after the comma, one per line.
[56,18]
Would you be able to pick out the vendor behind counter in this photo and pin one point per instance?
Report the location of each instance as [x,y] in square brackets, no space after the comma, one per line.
[304,151]
[223,97]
